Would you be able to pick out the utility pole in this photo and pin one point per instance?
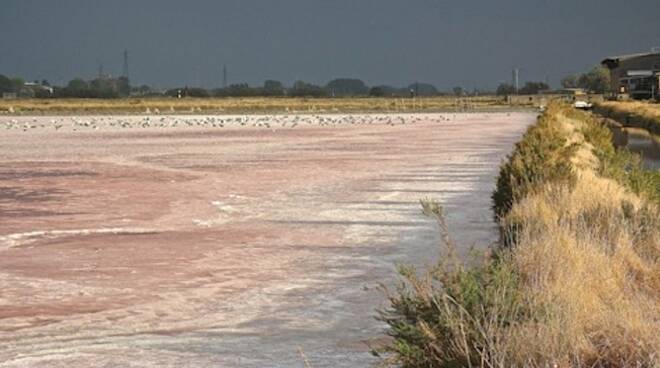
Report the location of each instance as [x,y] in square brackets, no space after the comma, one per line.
[515,81]
[224,76]
[125,68]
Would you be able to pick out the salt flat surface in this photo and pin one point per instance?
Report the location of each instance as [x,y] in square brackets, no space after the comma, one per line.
[228,241]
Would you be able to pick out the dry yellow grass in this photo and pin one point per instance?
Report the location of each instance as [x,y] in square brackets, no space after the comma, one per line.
[591,275]
[633,113]
[589,258]
[577,283]
[638,107]
[248,104]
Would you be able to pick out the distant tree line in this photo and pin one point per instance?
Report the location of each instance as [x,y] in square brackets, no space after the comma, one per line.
[96,88]
[107,87]
[10,85]
[342,87]
[529,88]
[76,88]
[596,80]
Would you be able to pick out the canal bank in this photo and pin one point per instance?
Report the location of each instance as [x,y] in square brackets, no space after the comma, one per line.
[580,218]
[633,132]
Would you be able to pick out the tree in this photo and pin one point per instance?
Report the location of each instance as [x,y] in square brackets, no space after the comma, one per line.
[76,88]
[273,88]
[17,83]
[301,89]
[103,88]
[505,89]
[273,85]
[142,90]
[423,89]
[77,84]
[389,91]
[5,84]
[596,80]
[570,81]
[123,86]
[458,91]
[97,88]
[347,87]
[196,92]
[532,88]
[377,91]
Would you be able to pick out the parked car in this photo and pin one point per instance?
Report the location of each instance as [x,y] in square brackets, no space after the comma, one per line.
[582,105]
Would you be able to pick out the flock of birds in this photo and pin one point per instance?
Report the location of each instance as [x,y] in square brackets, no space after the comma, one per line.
[79,123]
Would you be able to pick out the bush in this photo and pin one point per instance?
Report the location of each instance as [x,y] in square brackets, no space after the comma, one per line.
[541,156]
[453,315]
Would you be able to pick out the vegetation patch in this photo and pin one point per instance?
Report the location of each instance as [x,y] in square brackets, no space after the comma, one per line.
[638,114]
[577,283]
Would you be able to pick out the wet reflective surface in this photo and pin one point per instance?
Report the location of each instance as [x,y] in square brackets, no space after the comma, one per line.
[642,142]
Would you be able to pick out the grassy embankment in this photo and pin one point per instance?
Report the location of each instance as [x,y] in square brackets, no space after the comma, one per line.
[636,114]
[577,281]
[248,104]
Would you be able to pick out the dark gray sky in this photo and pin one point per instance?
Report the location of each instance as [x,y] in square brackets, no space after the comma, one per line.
[447,43]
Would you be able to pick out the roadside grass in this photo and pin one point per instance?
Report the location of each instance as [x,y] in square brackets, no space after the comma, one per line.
[638,114]
[250,104]
[577,283]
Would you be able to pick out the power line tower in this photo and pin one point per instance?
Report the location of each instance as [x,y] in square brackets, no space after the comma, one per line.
[224,76]
[124,72]
[516,82]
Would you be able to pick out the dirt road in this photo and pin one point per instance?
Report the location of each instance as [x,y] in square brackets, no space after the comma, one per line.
[227,242]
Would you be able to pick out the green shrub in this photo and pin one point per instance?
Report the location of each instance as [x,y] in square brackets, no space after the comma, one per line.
[541,156]
[452,316]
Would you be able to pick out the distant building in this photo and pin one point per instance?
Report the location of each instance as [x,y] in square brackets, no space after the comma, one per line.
[635,75]
[572,91]
[33,89]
